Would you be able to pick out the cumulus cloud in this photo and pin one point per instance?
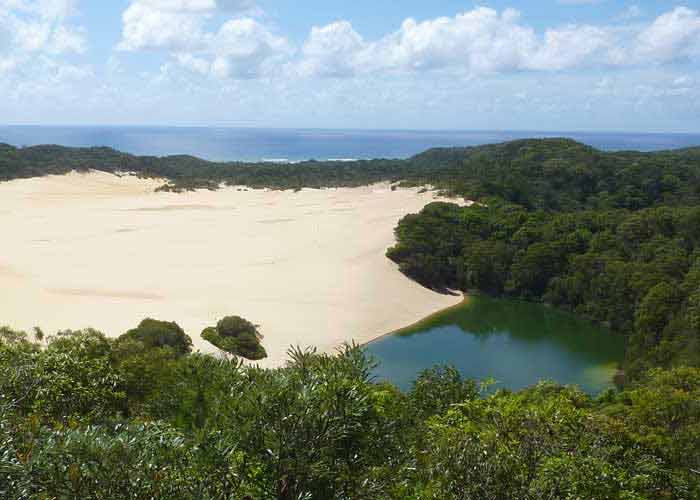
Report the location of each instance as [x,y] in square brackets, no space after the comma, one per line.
[481,40]
[158,24]
[572,46]
[485,41]
[40,26]
[673,36]
[332,50]
[35,35]
[47,9]
[242,47]
[477,42]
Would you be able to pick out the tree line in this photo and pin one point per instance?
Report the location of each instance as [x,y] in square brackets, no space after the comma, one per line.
[546,174]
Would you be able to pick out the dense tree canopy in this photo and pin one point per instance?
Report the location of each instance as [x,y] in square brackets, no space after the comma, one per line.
[237,336]
[154,333]
[74,425]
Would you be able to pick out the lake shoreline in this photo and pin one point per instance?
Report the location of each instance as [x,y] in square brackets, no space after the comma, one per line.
[417,324]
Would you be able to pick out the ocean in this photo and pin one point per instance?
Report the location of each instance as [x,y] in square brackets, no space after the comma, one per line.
[248,144]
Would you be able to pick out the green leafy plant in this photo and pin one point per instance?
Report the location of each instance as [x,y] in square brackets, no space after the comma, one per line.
[236,336]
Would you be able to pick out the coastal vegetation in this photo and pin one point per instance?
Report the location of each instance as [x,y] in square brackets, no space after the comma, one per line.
[548,174]
[154,333]
[237,336]
[636,271]
[613,236]
[85,416]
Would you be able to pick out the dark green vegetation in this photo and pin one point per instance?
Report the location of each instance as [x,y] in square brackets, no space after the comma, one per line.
[554,174]
[515,343]
[85,417]
[638,272]
[236,336]
[612,236]
[154,333]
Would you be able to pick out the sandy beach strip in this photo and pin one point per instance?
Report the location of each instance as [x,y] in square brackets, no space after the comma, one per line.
[105,251]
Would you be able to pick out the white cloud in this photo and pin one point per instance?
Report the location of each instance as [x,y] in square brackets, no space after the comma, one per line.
[49,9]
[40,26]
[244,48]
[477,42]
[673,36]
[480,41]
[241,48]
[332,50]
[147,25]
[571,46]
[194,64]
[64,39]
[483,41]
[35,37]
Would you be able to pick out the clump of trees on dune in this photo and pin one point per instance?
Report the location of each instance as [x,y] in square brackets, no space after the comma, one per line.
[237,336]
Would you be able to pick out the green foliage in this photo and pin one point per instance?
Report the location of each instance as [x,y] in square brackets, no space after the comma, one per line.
[71,378]
[236,336]
[545,442]
[440,387]
[153,333]
[635,271]
[198,427]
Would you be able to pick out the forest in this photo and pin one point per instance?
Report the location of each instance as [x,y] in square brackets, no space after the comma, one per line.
[87,417]
[612,236]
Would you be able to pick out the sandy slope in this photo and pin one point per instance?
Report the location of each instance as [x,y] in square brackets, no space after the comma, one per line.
[105,251]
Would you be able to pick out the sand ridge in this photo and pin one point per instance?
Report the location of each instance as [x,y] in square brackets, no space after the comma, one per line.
[106,251]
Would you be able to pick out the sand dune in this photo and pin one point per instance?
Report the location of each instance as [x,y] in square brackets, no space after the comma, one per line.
[106,251]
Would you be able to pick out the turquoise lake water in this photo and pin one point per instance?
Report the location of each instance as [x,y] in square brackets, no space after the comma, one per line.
[516,343]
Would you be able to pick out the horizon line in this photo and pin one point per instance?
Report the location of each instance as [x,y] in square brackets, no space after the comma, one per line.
[355,129]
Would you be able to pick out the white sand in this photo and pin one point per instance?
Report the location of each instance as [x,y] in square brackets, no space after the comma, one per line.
[104,251]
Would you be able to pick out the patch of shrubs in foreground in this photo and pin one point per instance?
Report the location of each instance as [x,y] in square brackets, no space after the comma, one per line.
[84,416]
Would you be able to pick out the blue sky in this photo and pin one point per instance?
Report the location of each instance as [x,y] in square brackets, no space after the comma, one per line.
[544,65]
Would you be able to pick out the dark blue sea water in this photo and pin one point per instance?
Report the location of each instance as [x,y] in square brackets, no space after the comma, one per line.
[297,144]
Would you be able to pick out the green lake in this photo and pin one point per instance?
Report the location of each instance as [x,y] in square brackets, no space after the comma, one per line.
[516,343]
